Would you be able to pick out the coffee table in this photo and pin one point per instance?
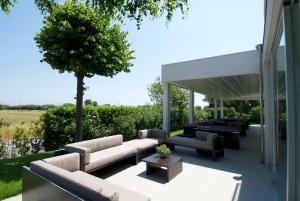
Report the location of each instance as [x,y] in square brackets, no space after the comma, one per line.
[172,165]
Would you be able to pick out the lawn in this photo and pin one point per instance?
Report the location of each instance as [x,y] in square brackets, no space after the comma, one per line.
[178,132]
[11,173]
[15,117]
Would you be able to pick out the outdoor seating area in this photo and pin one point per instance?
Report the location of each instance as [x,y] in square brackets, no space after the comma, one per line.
[124,180]
[230,128]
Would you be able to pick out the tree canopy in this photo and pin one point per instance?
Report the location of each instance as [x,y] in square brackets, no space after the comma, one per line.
[6,5]
[74,38]
[118,9]
[178,96]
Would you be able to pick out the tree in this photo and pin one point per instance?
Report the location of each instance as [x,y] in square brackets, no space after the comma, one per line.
[76,39]
[132,9]
[6,5]
[88,102]
[178,96]
[243,106]
[95,103]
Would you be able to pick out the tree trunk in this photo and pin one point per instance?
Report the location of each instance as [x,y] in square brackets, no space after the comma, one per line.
[79,100]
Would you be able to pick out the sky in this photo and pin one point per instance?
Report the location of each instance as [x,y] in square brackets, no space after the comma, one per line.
[210,28]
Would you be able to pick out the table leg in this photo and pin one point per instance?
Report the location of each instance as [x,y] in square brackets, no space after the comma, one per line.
[174,170]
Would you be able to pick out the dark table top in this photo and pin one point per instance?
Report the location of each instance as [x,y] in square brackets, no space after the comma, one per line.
[163,162]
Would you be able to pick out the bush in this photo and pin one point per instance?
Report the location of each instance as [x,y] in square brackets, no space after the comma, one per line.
[254,115]
[36,136]
[21,140]
[99,121]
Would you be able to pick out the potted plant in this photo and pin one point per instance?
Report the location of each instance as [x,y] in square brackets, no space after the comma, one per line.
[163,150]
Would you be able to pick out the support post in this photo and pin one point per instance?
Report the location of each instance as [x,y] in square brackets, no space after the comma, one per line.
[191,106]
[292,37]
[261,82]
[166,107]
[215,108]
[222,108]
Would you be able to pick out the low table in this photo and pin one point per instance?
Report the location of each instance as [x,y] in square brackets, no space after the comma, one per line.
[173,165]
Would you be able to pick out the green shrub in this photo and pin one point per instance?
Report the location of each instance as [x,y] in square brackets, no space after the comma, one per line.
[36,136]
[99,121]
[254,115]
[21,140]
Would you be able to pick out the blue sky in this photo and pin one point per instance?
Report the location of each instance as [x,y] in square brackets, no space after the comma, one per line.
[210,28]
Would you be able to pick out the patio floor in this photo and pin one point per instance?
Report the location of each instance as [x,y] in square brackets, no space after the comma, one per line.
[238,176]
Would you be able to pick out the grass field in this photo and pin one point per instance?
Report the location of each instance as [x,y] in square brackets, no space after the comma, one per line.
[11,173]
[15,117]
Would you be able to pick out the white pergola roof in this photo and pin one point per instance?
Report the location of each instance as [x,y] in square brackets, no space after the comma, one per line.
[234,76]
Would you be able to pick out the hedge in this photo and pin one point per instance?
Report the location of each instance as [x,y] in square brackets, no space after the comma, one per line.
[99,121]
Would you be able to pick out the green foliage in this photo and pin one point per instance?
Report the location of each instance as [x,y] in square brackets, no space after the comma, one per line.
[99,121]
[2,148]
[228,112]
[6,5]
[74,38]
[125,125]
[255,115]
[36,132]
[178,96]
[88,102]
[21,140]
[163,150]
[137,9]
[25,107]
[242,106]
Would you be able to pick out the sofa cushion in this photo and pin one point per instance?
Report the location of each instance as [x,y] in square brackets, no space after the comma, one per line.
[211,138]
[104,157]
[90,180]
[142,144]
[100,143]
[70,162]
[143,134]
[65,179]
[110,188]
[202,135]
[189,142]
[84,151]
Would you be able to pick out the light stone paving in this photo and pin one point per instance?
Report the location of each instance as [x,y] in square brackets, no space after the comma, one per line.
[238,176]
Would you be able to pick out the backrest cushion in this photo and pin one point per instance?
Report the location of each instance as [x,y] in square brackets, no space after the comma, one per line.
[157,133]
[202,135]
[211,137]
[110,141]
[97,183]
[101,143]
[69,162]
[143,134]
[68,181]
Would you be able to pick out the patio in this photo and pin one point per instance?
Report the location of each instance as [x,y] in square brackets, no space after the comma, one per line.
[238,176]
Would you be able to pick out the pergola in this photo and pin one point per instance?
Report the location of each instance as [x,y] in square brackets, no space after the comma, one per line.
[237,76]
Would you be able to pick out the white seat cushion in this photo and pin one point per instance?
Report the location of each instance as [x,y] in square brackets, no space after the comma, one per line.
[109,188]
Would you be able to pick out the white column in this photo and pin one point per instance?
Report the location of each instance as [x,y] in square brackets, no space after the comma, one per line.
[292,35]
[166,107]
[261,83]
[191,106]
[222,108]
[215,108]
